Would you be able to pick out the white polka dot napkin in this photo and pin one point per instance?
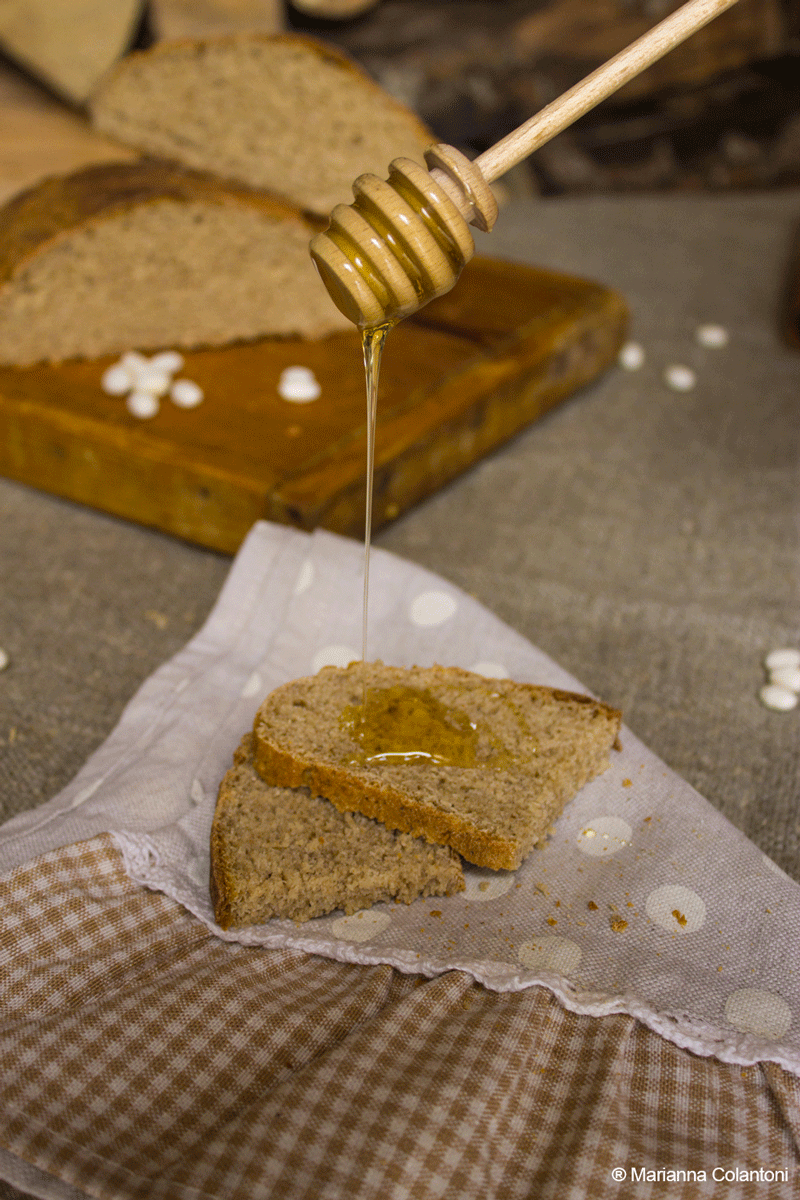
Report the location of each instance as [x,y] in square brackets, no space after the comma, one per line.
[645,900]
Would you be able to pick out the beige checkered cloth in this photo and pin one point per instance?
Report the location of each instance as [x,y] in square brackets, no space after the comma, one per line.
[143,1057]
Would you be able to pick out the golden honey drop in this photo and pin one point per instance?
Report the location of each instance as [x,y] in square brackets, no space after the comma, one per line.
[402,725]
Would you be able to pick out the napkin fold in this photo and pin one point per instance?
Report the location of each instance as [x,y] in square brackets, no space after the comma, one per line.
[644,900]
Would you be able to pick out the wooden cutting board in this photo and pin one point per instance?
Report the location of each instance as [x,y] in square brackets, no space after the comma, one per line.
[470,371]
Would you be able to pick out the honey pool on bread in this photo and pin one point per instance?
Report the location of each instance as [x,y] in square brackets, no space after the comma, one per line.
[401,725]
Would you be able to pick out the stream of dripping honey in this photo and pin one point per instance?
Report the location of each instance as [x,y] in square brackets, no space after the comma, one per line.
[372,343]
[414,726]
[399,725]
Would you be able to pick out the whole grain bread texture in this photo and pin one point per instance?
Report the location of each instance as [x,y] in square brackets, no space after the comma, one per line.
[281,852]
[147,254]
[535,748]
[281,112]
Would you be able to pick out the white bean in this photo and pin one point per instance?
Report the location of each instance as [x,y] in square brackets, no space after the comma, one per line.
[299,385]
[300,392]
[117,380]
[168,361]
[186,393]
[294,373]
[788,677]
[142,404]
[134,362]
[680,378]
[780,698]
[785,657]
[631,356]
[152,381]
[714,337]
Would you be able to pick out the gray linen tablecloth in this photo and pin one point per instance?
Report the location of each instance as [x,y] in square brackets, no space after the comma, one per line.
[647,540]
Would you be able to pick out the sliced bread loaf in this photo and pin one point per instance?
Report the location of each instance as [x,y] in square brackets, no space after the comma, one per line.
[482,765]
[146,254]
[280,852]
[281,112]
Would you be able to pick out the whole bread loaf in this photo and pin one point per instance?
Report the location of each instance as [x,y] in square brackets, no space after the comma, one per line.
[147,254]
[280,852]
[282,112]
[503,758]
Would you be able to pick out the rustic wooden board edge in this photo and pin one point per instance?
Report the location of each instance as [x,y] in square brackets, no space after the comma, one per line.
[508,378]
[525,381]
[179,498]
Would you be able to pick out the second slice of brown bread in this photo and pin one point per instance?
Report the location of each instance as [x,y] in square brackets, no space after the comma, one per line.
[280,852]
[142,255]
[535,747]
[281,112]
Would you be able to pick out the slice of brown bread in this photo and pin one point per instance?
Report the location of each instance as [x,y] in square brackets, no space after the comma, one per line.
[146,254]
[282,852]
[282,112]
[530,749]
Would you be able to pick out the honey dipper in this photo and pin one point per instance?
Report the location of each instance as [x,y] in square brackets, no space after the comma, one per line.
[405,240]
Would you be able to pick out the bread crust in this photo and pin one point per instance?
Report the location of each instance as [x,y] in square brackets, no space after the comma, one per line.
[419,870]
[48,212]
[385,804]
[220,884]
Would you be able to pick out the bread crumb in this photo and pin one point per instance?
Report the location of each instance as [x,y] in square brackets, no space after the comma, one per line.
[617,924]
[592,906]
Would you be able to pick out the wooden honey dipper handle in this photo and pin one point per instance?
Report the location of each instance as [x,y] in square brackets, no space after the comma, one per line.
[404,241]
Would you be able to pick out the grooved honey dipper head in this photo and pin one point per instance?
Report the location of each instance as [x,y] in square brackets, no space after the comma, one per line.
[404,240]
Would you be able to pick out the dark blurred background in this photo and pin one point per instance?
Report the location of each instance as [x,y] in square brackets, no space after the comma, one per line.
[721,111]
